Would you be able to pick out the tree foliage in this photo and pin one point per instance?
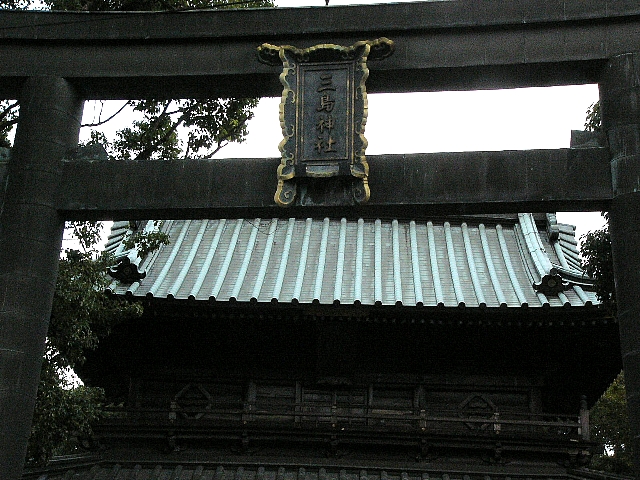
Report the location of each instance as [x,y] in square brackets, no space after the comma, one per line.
[593,121]
[81,315]
[8,118]
[151,5]
[610,428]
[597,262]
[163,129]
[172,129]
[16,4]
[62,414]
[209,126]
[144,241]
[597,259]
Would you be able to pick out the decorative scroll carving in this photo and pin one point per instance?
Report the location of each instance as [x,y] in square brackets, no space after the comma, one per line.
[551,284]
[126,271]
[323,113]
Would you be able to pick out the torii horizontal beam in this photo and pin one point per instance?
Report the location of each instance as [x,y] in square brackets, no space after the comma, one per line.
[439,45]
[402,186]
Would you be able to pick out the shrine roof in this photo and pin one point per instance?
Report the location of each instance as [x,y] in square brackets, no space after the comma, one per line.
[481,262]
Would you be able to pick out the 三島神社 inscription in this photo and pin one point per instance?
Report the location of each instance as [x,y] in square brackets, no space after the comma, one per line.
[323,113]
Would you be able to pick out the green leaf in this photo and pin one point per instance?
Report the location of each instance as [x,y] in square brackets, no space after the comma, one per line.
[610,428]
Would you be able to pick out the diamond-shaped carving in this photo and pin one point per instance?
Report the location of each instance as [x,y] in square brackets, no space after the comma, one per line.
[193,401]
[477,407]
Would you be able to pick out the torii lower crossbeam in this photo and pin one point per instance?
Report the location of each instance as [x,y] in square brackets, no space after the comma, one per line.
[402,186]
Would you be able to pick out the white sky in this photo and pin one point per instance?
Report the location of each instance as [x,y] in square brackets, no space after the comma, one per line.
[517,119]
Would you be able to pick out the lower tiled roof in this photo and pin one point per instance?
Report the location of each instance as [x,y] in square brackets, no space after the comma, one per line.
[364,261]
[206,471]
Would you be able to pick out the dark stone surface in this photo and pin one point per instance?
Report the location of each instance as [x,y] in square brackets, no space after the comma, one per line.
[585,139]
[619,93]
[625,239]
[30,238]
[439,45]
[211,24]
[404,186]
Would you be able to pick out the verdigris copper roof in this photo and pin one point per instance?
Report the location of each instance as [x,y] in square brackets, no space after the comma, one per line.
[495,263]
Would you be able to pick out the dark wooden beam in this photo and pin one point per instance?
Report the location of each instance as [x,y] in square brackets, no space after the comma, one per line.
[439,45]
[405,186]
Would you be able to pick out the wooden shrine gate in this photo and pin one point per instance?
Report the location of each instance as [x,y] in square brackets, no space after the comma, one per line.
[52,62]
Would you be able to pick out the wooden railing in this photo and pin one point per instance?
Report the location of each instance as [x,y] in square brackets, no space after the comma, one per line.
[304,416]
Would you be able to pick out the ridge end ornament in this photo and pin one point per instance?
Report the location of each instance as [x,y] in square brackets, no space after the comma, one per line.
[323,113]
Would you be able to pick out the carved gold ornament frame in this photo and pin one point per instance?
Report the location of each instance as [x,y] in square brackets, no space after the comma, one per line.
[323,113]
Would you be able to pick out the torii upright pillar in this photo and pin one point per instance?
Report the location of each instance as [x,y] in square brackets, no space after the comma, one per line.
[30,239]
[620,103]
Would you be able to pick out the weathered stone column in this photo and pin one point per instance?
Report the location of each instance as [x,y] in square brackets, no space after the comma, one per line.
[30,238]
[620,103]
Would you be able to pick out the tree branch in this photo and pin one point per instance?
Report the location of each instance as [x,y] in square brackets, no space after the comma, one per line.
[146,153]
[10,107]
[102,122]
[156,122]
[8,123]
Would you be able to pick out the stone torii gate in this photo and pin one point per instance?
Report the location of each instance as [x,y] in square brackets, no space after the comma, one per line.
[52,62]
